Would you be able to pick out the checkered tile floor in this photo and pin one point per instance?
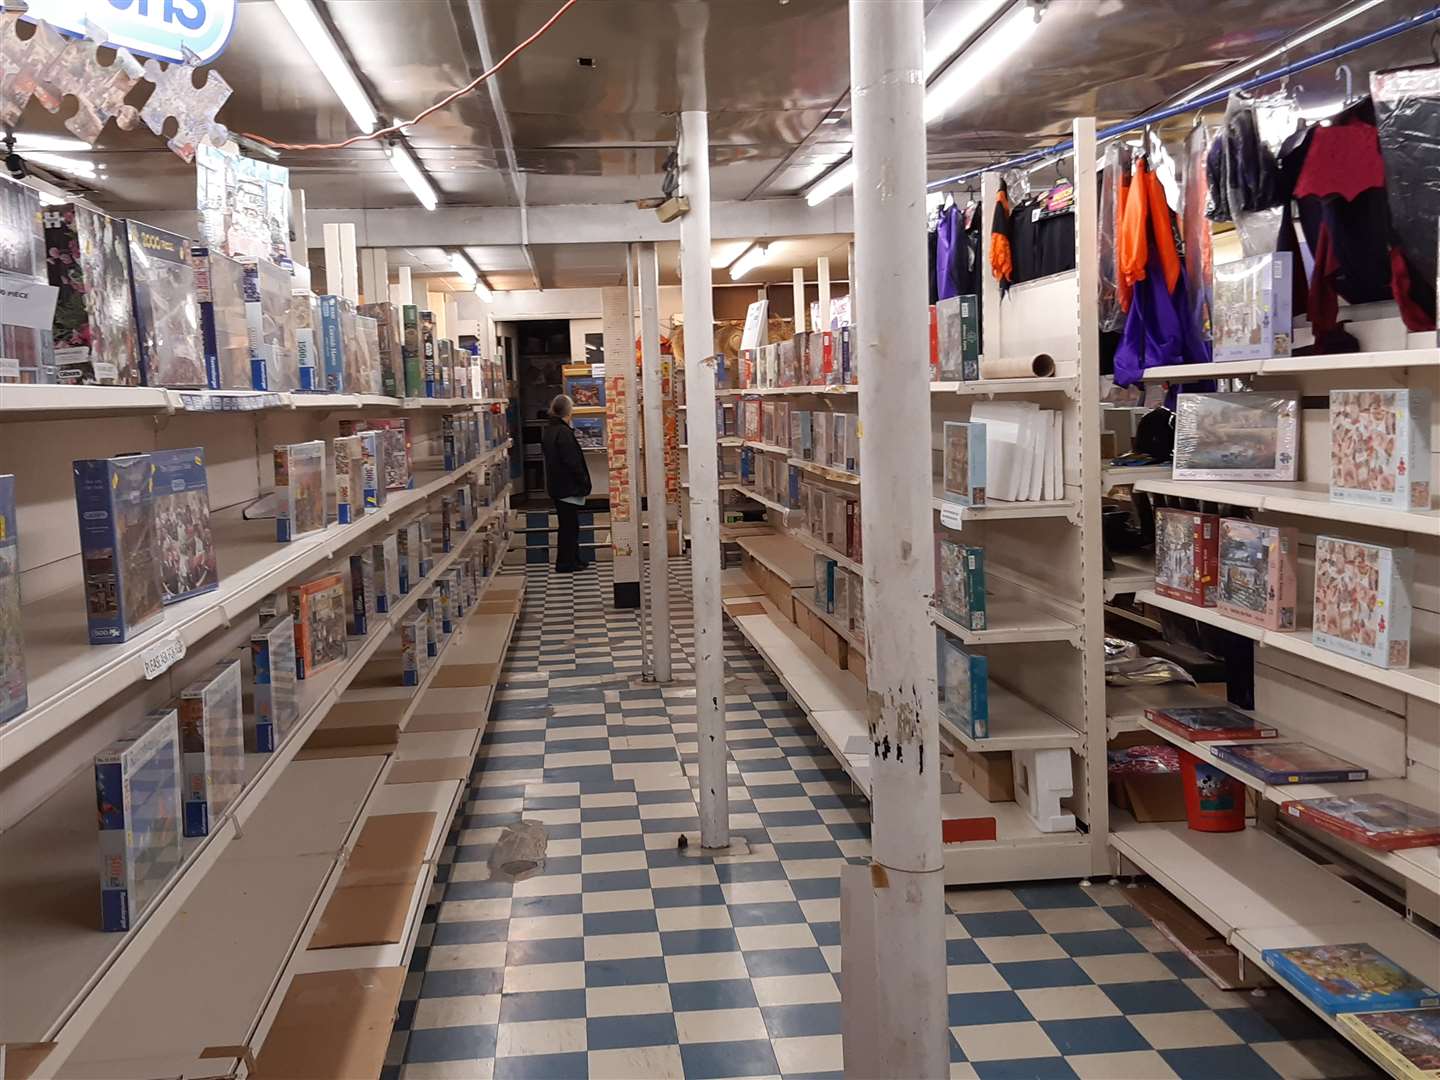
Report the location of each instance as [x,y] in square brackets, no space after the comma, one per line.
[627,958]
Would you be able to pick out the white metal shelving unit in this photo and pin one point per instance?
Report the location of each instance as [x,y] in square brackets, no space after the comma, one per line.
[261,867]
[1257,888]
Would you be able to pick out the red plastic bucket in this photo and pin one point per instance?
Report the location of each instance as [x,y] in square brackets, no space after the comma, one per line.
[1214,800]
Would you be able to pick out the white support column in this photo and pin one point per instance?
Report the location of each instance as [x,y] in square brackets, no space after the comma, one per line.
[797,286]
[349,268]
[619,332]
[407,286]
[903,961]
[822,270]
[655,460]
[299,249]
[375,275]
[698,296]
[333,273]
[435,304]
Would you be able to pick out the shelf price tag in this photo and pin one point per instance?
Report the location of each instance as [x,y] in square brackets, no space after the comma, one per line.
[162,656]
[952,516]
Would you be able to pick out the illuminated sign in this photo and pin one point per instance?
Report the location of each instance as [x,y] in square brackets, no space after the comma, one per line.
[164,29]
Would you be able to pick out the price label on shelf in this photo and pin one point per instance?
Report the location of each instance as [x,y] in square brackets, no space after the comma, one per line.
[162,656]
[952,516]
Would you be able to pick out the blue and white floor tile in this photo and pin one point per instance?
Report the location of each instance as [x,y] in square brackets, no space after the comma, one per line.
[625,958]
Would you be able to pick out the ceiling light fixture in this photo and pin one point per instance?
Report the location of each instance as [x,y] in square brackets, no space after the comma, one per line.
[749,259]
[968,17]
[832,183]
[315,36]
[78,167]
[58,144]
[974,64]
[461,265]
[483,291]
[980,60]
[1230,74]
[403,161]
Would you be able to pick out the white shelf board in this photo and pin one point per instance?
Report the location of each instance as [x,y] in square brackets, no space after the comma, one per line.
[833,699]
[1290,365]
[1419,680]
[1302,499]
[1125,705]
[822,548]
[1261,894]
[1019,852]
[1132,573]
[782,555]
[1420,865]
[729,440]
[1010,619]
[68,677]
[766,448]
[1117,476]
[777,391]
[764,500]
[49,886]
[999,509]
[1016,724]
[1056,384]
[59,402]
[825,472]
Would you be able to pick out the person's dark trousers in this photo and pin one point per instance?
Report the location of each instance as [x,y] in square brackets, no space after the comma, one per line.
[567,543]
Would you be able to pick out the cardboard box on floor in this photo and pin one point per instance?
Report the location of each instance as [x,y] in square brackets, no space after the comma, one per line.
[332,1025]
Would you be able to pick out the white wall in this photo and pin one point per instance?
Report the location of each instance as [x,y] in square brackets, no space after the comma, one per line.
[550,304]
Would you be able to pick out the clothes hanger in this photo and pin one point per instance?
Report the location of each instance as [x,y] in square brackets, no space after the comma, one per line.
[1342,71]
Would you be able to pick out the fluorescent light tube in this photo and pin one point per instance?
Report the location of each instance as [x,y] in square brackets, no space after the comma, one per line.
[483,291]
[85,170]
[964,17]
[832,183]
[321,45]
[979,61]
[402,160]
[461,265]
[60,144]
[749,259]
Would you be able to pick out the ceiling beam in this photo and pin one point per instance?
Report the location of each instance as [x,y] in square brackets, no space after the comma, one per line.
[452,226]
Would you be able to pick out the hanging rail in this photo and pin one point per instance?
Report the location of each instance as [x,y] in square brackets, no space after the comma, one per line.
[1196,104]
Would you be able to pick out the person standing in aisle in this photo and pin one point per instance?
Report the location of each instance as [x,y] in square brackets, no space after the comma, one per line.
[567,479]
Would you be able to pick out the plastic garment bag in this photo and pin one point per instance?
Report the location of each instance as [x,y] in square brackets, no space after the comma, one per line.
[1117,172]
[1199,245]
[1407,112]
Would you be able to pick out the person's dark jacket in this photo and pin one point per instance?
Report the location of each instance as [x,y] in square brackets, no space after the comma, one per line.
[566,473]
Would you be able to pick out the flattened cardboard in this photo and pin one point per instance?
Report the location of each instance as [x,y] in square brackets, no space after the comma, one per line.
[22,1059]
[324,753]
[1156,797]
[358,723]
[389,850]
[429,770]
[989,773]
[445,722]
[332,1025]
[1194,938]
[461,675]
[380,673]
[746,609]
[730,590]
[364,915]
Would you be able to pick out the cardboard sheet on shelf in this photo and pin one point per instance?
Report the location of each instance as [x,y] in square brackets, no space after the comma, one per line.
[333,1025]
[446,722]
[497,607]
[22,1059]
[746,609]
[324,753]
[429,770]
[364,915]
[389,850]
[1195,939]
[457,675]
[358,723]
[385,671]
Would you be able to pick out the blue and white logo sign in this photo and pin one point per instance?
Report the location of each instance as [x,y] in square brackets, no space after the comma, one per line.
[164,29]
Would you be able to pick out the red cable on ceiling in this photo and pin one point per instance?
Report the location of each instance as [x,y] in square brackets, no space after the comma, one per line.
[398,127]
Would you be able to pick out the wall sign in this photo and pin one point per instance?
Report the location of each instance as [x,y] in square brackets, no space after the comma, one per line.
[164,29]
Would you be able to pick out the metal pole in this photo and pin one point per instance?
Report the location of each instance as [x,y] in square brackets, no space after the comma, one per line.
[655,460]
[632,457]
[695,278]
[903,962]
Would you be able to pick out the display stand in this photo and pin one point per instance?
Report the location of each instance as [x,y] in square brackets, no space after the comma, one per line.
[110,1002]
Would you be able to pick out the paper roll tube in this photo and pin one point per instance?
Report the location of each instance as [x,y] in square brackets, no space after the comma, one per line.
[1039,366]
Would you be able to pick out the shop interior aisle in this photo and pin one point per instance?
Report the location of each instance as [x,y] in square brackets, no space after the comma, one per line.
[626,957]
